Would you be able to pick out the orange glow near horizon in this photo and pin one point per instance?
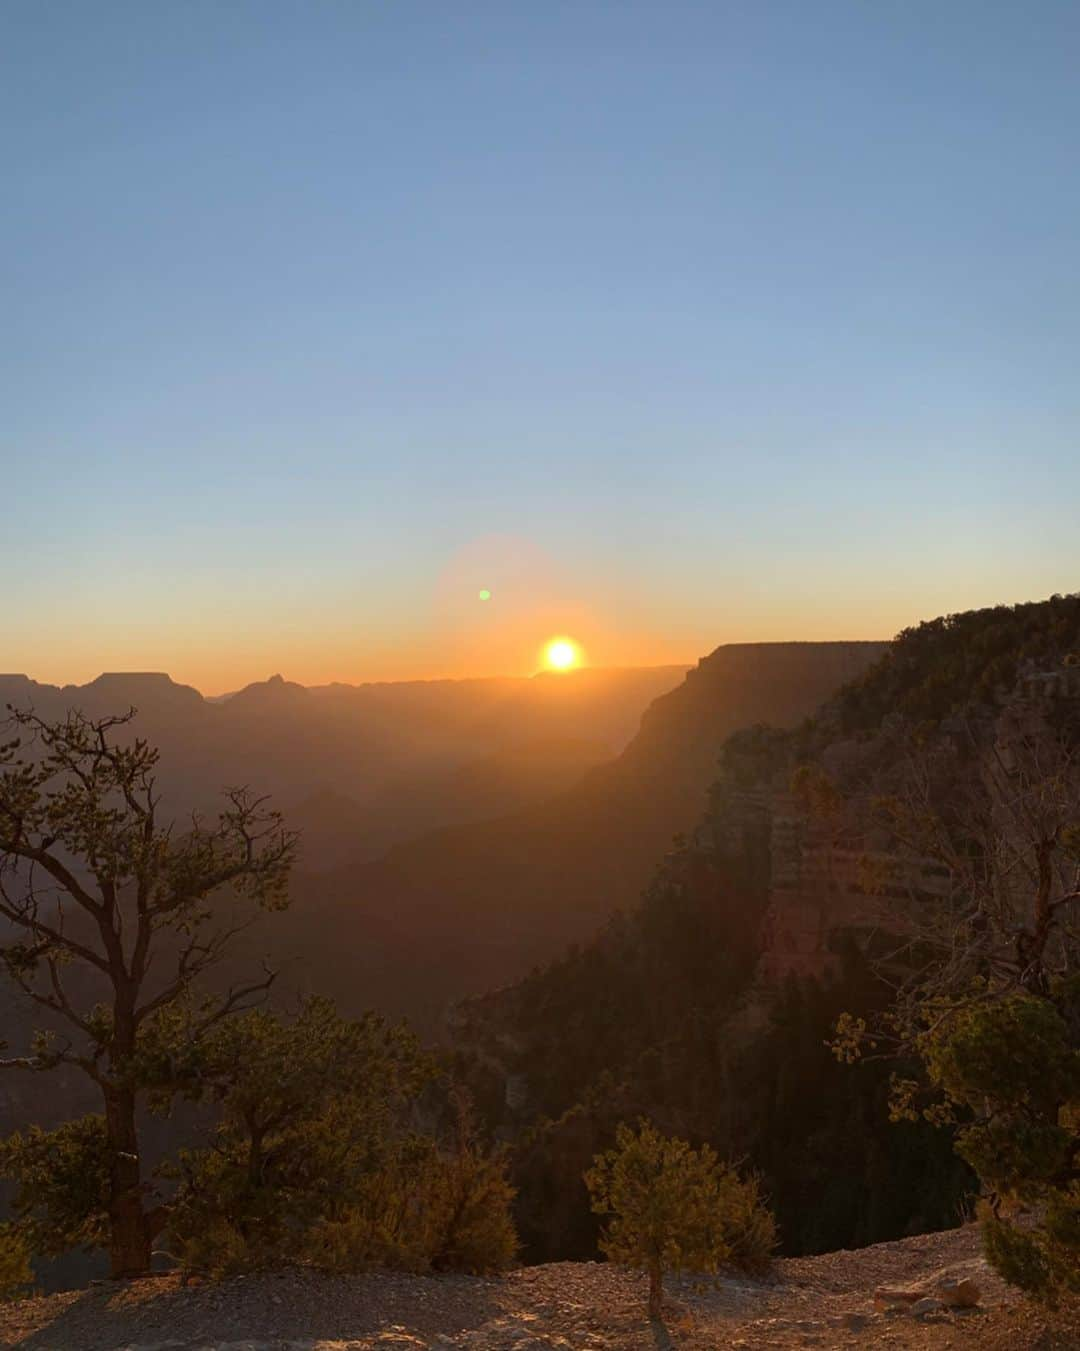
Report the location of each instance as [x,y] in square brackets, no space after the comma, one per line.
[218,653]
[220,632]
[220,668]
[490,608]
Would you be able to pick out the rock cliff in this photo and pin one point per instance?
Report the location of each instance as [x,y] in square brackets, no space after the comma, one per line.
[708,1004]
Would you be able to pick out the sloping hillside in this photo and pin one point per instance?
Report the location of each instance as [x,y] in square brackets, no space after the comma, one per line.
[461,909]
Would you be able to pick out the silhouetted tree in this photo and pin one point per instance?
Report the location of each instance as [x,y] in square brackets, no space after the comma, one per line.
[95,880]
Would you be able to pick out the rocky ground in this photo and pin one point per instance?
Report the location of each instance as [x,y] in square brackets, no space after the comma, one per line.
[823,1301]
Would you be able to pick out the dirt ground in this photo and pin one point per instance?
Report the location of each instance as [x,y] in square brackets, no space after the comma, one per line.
[825,1301]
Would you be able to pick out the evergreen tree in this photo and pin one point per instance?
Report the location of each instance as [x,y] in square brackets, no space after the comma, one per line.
[674,1208]
[116,912]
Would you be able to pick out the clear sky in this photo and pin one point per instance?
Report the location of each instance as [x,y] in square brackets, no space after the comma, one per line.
[668,323]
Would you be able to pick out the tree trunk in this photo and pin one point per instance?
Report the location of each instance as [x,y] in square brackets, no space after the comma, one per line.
[656,1290]
[129,1233]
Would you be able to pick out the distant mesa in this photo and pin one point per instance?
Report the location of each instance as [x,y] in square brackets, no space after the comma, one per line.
[111,692]
[157,677]
[152,680]
[14,679]
[140,687]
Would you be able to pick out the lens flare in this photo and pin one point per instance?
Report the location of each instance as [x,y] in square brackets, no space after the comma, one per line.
[561,654]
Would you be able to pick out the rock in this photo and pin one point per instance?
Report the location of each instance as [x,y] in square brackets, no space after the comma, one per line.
[958,1294]
[927,1305]
[885,1298]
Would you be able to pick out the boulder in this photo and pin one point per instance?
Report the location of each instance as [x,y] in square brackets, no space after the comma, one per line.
[958,1293]
[952,1292]
[886,1298]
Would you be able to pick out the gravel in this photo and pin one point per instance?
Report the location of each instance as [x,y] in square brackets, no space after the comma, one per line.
[825,1301]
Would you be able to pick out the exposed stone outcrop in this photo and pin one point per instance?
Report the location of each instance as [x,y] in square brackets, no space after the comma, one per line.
[826,872]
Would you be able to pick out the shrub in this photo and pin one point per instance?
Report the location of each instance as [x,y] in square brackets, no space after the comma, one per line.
[61,1185]
[314,1157]
[16,1275]
[309,1111]
[674,1208]
[1012,1069]
[747,1222]
[470,1200]
[427,1210]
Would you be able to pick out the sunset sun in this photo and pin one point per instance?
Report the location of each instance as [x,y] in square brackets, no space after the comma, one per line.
[561,654]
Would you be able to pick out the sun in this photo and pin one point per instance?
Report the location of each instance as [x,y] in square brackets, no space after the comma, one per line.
[561,654]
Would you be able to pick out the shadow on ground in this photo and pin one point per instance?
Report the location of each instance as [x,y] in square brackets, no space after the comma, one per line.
[300,1305]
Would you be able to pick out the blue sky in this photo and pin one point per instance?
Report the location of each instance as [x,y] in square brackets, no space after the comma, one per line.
[671,323]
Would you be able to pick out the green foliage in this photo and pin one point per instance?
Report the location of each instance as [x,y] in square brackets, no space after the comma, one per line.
[1013,1050]
[16,1274]
[747,1223]
[306,1107]
[1010,1071]
[314,1156]
[384,1221]
[426,1209]
[61,1185]
[675,1208]
[422,1209]
[1033,1259]
[468,1205]
[938,667]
